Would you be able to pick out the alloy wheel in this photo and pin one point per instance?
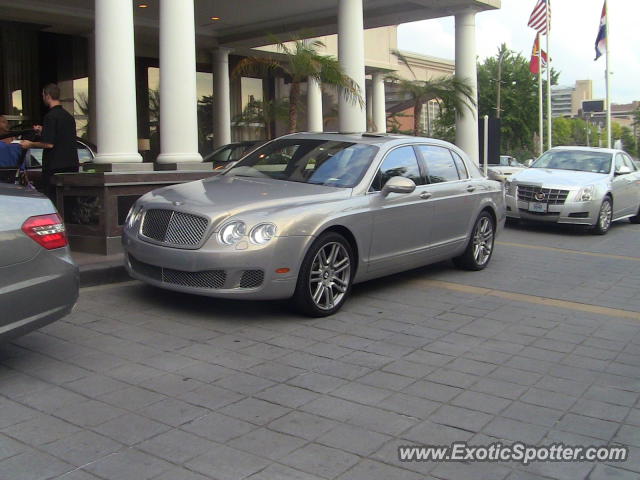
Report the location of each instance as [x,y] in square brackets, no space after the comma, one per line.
[330,275]
[483,241]
[605,216]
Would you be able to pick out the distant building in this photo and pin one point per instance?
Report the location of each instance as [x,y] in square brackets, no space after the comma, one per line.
[621,113]
[566,101]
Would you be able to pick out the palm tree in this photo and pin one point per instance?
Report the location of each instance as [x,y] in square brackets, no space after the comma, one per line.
[447,91]
[301,61]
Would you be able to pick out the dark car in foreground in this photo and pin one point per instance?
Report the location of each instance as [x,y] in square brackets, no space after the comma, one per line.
[308,215]
[38,277]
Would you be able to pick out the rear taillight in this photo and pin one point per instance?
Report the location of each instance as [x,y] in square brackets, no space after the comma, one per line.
[46,230]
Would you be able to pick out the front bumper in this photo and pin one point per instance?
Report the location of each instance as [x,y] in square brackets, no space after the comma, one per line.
[217,271]
[576,213]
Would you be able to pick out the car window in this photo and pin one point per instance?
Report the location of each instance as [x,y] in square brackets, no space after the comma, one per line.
[440,164]
[629,163]
[35,159]
[619,162]
[578,160]
[84,155]
[400,162]
[462,168]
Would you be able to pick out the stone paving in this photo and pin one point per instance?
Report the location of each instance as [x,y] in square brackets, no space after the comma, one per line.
[140,383]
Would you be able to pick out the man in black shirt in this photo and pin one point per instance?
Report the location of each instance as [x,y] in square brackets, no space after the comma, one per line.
[57,139]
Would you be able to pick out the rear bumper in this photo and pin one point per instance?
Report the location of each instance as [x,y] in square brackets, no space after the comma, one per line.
[37,292]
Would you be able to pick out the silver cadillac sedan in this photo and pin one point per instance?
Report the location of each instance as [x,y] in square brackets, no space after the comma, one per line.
[306,216]
[577,185]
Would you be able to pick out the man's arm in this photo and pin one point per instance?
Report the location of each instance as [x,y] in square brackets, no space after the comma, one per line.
[26,144]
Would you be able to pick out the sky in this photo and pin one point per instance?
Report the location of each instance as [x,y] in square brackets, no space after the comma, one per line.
[574,27]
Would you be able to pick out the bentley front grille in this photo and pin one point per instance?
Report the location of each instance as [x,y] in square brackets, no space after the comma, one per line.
[174,228]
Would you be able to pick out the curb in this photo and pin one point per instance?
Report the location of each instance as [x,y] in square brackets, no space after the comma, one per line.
[101,274]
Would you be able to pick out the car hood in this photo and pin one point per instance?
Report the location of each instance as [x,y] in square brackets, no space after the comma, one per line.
[549,176]
[224,196]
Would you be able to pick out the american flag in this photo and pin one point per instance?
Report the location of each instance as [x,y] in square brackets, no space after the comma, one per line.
[538,18]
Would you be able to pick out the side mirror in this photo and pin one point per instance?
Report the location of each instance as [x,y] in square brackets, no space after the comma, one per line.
[623,170]
[398,185]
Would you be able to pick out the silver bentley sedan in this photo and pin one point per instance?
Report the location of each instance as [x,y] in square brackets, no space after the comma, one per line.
[306,216]
[577,185]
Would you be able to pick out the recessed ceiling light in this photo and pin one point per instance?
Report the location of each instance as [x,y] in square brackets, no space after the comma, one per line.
[215,18]
[143,5]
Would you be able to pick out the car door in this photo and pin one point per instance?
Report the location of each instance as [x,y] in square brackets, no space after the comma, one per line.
[453,196]
[634,188]
[624,189]
[401,222]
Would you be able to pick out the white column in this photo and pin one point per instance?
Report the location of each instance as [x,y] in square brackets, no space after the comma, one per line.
[178,98]
[370,109]
[314,105]
[379,110]
[467,124]
[117,130]
[92,132]
[221,98]
[352,115]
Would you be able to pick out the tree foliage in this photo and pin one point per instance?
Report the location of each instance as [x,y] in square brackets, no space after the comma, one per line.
[518,98]
[263,113]
[301,60]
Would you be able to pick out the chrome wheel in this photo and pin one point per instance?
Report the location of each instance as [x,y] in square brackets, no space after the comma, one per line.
[330,275]
[604,220]
[483,241]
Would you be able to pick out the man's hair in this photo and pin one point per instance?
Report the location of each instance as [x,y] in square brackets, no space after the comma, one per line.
[4,124]
[52,90]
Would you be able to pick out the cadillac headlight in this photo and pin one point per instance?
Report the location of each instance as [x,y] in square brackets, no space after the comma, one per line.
[510,188]
[262,233]
[232,232]
[585,194]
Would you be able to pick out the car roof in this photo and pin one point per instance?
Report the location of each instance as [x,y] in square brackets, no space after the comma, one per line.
[367,138]
[588,149]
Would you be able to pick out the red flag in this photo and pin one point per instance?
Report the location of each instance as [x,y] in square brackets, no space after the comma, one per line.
[538,18]
[534,65]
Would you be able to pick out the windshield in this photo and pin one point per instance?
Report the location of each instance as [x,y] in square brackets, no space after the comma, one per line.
[578,160]
[320,162]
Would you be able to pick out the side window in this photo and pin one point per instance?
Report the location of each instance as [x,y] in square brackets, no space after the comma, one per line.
[401,162]
[462,168]
[629,163]
[440,164]
[619,162]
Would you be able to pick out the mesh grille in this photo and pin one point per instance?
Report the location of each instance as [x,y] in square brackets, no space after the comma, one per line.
[251,278]
[174,228]
[527,193]
[212,279]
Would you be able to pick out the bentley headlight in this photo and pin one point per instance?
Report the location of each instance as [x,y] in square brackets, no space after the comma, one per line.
[585,194]
[133,215]
[262,233]
[232,232]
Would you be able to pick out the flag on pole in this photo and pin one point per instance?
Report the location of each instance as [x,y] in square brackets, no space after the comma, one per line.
[601,39]
[534,64]
[538,18]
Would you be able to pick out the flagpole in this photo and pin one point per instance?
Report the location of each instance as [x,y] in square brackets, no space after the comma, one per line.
[549,125]
[607,73]
[540,108]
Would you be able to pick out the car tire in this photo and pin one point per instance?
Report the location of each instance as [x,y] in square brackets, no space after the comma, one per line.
[635,218]
[605,214]
[480,247]
[325,277]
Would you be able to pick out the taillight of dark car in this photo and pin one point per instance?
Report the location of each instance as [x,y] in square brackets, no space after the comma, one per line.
[46,230]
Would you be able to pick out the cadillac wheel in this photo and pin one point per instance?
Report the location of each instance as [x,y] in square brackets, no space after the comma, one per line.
[325,277]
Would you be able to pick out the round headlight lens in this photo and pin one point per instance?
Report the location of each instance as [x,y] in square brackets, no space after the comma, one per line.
[262,233]
[232,232]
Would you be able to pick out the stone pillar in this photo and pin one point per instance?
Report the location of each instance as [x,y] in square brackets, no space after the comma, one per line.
[178,98]
[379,110]
[369,109]
[92,131]
[314,105]
[221,98]
[467,122]
[352,115]
[117,138]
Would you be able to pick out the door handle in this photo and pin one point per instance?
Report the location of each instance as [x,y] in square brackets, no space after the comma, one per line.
[470,188]
[426,195]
